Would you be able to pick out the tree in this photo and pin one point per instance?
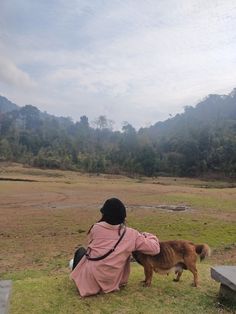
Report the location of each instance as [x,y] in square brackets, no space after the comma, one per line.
[5,150]
[84,123]
[31,117]
[103,123]
[127,128]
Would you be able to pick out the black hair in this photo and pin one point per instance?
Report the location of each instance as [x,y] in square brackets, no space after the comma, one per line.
[113,212]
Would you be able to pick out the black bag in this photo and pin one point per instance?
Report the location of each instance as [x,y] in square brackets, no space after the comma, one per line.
[79,253]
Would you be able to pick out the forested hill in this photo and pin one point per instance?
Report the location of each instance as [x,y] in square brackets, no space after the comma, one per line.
[200,141]
[215,111]
[6,105]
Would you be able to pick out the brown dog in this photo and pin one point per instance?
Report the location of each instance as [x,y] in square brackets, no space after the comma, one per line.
[174,255]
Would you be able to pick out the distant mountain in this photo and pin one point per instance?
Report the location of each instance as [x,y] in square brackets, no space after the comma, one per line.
[6,105]
[214,111]
[199,142]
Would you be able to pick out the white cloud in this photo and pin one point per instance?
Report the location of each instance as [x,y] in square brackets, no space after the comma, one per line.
[10,74]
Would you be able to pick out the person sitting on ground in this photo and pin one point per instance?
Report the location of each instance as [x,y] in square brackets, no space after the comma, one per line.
[105,265]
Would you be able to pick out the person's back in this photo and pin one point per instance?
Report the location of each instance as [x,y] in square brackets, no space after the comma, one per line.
[106,265]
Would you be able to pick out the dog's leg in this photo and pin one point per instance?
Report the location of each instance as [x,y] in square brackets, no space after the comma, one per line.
[179,273]
[193,270]
[192,267]
[190,262]
[195,276]
[148,271]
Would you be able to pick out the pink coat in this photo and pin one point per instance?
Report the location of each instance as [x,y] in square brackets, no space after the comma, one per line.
[108,274]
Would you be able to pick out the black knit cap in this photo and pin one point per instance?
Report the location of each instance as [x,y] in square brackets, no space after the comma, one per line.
[113,211]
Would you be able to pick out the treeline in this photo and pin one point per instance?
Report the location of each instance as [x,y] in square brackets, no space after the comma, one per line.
[201,141]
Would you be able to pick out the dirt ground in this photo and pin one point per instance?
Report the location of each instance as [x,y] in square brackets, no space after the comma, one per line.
[42,222]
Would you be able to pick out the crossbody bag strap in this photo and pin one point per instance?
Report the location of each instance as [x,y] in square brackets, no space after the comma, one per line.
[106,254]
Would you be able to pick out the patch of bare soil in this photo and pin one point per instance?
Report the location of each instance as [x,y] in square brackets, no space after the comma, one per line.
[226,255]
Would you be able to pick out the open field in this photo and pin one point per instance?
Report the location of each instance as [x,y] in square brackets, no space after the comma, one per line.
[45,215]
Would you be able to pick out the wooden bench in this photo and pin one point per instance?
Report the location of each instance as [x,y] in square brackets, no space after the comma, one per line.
[226,275]
[5,291]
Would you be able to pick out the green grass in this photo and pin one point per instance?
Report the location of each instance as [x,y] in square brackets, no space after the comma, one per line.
[37,293]
[203,201]
[39,241]
[200,229]
[208,199]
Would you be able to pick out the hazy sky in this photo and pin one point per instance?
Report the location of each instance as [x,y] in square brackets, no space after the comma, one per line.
[131,60]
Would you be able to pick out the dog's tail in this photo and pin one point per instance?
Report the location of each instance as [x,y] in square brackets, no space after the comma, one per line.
[203,250]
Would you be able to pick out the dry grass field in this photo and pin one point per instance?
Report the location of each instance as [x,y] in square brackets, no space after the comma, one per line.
[45,214]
